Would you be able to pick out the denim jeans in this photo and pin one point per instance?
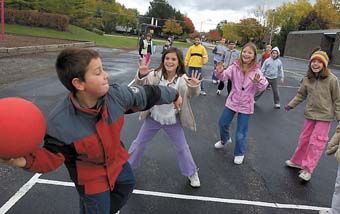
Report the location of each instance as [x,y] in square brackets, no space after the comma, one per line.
[109,202]
[213,73]
[199,70]
[241,129]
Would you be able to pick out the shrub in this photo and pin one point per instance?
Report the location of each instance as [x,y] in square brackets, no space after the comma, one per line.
[37,19]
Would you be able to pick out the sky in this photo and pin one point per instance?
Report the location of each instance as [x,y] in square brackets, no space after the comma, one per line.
[206,14]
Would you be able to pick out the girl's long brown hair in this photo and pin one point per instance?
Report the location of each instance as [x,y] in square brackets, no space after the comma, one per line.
[180,69]
[322,74]
[243,67]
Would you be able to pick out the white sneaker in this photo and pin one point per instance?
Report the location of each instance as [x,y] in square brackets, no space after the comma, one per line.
[220,144]
[291,164]
[203,93]
[304,175]
[218,92]
[194,180]
[214,81]
[238,159]
[328,211]
[277,105]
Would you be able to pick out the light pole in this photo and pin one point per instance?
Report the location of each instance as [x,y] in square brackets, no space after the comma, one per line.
[208,20]
[272,28]
[2,20]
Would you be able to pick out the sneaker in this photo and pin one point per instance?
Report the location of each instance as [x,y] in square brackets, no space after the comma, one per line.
[214,81]
[328,211]
[203,93]
[291,164]
[238,159]
[220,144]
[304,175]
[277,106]
[117,212]
[218,92]
[194,180]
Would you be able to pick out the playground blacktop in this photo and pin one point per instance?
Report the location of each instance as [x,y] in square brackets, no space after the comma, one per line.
[261,185]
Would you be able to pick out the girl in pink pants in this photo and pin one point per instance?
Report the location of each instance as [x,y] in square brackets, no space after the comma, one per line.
[320,89]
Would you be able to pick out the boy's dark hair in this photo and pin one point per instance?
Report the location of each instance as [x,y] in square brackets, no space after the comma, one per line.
[197,36]
[232,42]
[72,63]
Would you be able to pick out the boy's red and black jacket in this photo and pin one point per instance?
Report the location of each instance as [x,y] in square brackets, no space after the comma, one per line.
[88,140]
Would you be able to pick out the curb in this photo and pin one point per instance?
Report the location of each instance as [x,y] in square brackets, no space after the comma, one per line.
[6,52]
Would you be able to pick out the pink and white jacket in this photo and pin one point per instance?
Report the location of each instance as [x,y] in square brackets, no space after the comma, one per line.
[241,97]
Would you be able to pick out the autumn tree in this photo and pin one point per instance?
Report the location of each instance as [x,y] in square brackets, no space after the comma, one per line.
[214,35]
[163,11]
[312,22]
[219,26]
[291,13]
[327,11]
[172,27]
[188,25]
[249,30]
[230,31]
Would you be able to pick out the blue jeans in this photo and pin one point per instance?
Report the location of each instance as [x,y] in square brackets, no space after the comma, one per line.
[199,70]
[213,73]
[241,130]
[109,202]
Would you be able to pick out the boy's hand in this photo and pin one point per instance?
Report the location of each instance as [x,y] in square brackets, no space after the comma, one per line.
[256,78]
[143,68]
[14,162]
[219,67]
[287,108]
[178,103]
[194,79]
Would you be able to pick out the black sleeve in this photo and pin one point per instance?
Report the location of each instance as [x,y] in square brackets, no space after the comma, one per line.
[215,50]
[55,146]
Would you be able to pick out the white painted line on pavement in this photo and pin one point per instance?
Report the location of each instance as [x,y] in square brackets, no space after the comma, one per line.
[20,193]
[201,198]
[133,81]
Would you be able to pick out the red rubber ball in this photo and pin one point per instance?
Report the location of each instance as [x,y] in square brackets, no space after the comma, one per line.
[22,127]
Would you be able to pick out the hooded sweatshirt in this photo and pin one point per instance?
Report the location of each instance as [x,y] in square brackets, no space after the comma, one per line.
[272,68]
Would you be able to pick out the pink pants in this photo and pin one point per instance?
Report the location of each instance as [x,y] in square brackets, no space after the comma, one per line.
[312,141]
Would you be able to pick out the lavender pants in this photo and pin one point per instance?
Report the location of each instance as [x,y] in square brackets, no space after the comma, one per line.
[175,132]
[312,141]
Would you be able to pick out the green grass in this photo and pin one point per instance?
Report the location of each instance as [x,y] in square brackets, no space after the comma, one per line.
[80,34]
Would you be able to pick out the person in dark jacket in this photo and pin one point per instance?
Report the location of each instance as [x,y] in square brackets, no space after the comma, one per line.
[141,45]
[83,131]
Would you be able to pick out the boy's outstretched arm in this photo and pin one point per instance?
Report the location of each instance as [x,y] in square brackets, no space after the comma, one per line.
[140,98]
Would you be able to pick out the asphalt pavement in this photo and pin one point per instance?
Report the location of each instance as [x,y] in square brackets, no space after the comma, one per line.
[263,184]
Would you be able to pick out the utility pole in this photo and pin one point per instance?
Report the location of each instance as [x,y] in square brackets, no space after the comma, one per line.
[2,20]
[272,28]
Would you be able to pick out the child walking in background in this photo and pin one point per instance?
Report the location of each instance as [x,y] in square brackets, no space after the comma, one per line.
[247,79]
[272,69]
[218,57]
[230,55]
[171,72]
[320,89]
[195,58]
[265,55]
[147,50]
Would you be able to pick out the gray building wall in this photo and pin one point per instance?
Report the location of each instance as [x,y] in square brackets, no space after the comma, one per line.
[301,45]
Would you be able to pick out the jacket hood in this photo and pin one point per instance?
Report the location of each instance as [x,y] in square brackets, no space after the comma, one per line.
[276,49]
